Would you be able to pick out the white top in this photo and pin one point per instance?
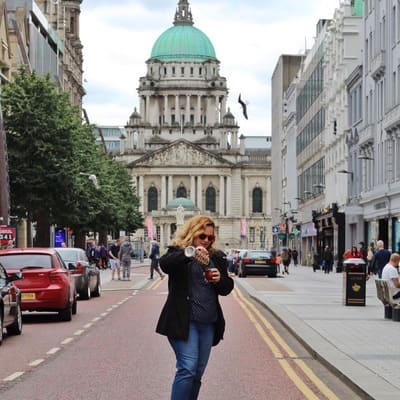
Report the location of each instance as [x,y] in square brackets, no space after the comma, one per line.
[388,273]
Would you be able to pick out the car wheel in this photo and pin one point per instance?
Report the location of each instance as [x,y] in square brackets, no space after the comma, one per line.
[1,327]
[66,314]
[74,305]
[85,294]
[16,327]
[97,291]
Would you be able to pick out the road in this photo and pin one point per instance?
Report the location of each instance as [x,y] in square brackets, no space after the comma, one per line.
[110,351]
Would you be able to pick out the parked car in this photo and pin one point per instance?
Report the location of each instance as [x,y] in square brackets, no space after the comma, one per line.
[10,304]
[47,284]
[257,262]
[86,275]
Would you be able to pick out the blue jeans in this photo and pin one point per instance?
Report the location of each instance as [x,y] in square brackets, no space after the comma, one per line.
[191,360]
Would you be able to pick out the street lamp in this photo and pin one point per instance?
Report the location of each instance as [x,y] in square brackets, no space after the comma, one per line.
[93,178]
[344,171]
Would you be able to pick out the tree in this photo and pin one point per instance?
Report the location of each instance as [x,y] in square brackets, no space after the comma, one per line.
[48,149]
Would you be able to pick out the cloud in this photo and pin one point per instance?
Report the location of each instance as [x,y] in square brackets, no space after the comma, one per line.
[248,37]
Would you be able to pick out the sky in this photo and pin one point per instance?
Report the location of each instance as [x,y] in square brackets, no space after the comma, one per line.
[248,38]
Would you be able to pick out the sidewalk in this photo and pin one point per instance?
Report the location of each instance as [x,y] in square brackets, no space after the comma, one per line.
[357,342]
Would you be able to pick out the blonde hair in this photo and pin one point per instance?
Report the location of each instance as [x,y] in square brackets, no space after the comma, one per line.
[191,229]
[395,257]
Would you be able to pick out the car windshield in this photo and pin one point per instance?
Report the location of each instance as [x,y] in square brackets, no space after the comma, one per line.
[68,254]
[258,254]
[21,261]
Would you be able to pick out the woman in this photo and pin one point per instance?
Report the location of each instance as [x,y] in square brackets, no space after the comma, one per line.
[355,253]
[192,317]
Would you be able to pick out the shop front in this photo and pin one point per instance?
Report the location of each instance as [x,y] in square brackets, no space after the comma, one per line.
[330,227]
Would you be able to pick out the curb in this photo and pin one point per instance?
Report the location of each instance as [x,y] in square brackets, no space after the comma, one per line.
[362,380]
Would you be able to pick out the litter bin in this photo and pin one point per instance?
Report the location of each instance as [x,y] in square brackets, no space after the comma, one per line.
[354,282]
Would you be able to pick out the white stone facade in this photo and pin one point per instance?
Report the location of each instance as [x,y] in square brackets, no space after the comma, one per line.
[183,141]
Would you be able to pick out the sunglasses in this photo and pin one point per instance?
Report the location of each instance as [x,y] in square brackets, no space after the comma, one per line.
[210,238]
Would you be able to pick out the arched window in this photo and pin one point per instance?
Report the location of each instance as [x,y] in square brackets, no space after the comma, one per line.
[257,200]
[152,199]
[181,192]
[210,199]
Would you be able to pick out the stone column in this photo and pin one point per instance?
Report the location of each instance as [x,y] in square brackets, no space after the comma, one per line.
[187,117]
[193,188]
[198,114]
[141,194]
[163,191]
[228,196]
[267,192]
[167,115]
[246,196]
[147,108]
[217,113]
[221,195]
[177,110]
[142,108]
[223,106]
[170,188]
[199,193]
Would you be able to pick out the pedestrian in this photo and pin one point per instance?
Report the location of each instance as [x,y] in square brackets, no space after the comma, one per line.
[285,255]
[390,273]
[363,251]
[103,262]
[295,256]
[231,260]
[316,261]
[380,259]
[92,253]
[327,258]
[192,316]
[370,256]
[354,253]
[278,262]
[155,257]
[125,257]
[114,260]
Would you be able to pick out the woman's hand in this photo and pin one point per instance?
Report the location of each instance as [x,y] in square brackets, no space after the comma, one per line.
[202,256]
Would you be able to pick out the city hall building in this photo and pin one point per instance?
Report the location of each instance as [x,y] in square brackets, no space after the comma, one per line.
[183,147]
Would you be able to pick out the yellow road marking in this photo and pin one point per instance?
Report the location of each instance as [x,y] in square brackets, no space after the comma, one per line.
[246,306]
[155,284]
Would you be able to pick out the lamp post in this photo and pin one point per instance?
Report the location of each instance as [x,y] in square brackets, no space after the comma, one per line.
[93,178]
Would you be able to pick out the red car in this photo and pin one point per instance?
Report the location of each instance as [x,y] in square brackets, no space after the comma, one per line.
[47,284]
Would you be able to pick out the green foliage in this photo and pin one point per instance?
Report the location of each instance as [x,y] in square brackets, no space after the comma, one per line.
[48,148]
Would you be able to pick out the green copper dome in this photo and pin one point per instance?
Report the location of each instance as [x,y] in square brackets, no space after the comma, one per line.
[183,42]
[357,7]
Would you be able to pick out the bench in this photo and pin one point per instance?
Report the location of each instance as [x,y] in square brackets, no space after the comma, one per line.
[384,294]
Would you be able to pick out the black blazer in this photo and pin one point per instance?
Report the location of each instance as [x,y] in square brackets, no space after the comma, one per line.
[175,316]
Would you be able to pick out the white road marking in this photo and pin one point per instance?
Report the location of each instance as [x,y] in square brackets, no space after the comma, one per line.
[67,340]
[53,350]
[13,376]
[35,363]
[77,333]
[87,325]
